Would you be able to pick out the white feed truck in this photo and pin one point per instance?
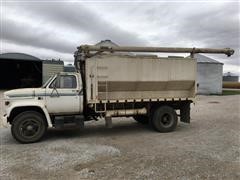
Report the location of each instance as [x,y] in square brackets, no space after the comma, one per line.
[109,82]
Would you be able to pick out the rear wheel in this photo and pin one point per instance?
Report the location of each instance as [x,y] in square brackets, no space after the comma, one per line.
[164,119]
[141,119]
[28,127]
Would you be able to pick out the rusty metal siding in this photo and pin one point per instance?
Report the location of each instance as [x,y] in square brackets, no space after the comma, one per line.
[121,77]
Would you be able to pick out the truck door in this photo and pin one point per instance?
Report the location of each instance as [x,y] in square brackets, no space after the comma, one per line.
[63,95]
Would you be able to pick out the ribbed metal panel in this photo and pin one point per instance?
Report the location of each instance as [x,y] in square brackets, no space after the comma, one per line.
[209,78]
[50,69]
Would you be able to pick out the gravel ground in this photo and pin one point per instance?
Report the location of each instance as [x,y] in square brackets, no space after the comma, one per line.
[208,148]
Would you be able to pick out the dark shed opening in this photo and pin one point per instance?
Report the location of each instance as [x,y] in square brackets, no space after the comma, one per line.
[19,70]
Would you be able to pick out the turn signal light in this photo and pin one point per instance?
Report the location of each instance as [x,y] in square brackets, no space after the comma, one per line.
[7,103]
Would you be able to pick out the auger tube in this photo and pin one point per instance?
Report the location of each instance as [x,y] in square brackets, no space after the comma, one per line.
[89,48]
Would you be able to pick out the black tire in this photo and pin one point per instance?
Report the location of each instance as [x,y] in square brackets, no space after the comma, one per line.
[28,127]
[141,119]
[164,119]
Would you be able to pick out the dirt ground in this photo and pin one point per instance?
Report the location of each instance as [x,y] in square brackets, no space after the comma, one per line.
[208,148]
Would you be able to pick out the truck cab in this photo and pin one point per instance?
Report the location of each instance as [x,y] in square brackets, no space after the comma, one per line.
[64,88]
[30,109]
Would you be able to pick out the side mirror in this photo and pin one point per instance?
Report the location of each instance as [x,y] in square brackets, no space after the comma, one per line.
[55,85]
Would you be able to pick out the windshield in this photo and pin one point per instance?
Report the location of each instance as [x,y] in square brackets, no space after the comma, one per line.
[46,83]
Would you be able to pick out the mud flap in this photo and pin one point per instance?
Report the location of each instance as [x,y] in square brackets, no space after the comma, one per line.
[185,112]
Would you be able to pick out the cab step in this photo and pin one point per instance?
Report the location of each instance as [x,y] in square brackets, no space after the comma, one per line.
[75,120]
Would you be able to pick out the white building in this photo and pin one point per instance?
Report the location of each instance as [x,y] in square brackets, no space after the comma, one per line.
[230,77]
[209,75]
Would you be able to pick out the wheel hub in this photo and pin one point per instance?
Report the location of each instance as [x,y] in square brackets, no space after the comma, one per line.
[29,128]
[166,120]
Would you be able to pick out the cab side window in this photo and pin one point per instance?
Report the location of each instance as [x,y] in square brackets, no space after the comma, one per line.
[64,82]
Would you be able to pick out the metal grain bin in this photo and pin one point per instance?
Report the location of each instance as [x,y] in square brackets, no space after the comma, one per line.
[51,67]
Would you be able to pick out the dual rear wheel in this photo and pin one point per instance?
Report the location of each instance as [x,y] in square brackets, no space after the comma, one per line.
[163,119]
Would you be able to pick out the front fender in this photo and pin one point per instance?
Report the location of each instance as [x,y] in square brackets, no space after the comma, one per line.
[30,104]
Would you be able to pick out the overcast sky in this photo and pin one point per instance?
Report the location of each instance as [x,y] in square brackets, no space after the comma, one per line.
[53,29]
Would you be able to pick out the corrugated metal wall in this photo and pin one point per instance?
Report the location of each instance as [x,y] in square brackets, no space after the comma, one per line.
[50,68]
[209,78]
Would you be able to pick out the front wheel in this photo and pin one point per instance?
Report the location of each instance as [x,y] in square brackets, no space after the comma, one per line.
[28,127]
[164,119]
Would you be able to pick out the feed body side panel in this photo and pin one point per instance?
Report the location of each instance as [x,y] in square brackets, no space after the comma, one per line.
[136,78]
